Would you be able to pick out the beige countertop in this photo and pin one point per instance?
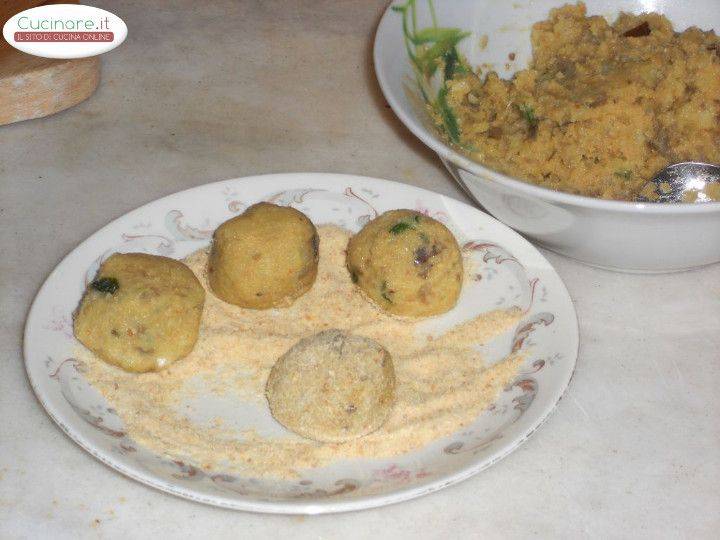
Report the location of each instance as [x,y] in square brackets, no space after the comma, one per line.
[200,93]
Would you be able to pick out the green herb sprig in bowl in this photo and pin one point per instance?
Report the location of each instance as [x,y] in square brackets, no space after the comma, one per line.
[429,50]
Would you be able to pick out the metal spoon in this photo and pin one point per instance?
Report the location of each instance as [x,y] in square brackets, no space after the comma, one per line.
[689,181]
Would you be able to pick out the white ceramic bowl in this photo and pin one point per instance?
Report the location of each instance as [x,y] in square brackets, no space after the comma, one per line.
[611,234]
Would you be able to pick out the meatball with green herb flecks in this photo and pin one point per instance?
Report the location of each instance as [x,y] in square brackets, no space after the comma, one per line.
[141,312]
[408,263]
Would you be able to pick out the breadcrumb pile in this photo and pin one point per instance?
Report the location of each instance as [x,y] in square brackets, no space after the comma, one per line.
[442,383]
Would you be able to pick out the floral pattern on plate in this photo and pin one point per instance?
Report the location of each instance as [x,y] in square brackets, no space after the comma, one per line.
[508,272]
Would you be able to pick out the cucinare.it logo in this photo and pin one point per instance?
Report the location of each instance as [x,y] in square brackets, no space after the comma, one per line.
[65,31]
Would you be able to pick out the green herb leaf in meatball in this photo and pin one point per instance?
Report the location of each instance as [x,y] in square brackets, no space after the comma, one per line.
[108,285]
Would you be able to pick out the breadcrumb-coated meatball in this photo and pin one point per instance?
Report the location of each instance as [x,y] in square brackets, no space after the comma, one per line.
[332,387]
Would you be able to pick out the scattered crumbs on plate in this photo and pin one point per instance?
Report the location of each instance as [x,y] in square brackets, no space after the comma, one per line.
[443,383]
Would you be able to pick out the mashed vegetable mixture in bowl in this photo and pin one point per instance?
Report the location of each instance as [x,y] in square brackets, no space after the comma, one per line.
[553,116]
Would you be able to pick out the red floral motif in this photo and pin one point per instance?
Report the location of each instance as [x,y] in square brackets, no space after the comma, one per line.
[529,387]
[393,472]
[533,286]
[127,448]
[232,483]
[236,206]
[459,447]
[74,362]
[223,478]
[298,196]
[233,204]
[498,254]
[537,365]
[165,246]
[439,215]
[187,471]
[175,223]
[97,422]
[493,252]
[344,486]
[528,327]
[229,483]
[350,193]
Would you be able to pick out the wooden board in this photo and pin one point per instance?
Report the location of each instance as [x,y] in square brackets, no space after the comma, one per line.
[33,87]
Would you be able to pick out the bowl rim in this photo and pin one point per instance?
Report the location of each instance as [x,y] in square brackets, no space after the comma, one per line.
[446,152]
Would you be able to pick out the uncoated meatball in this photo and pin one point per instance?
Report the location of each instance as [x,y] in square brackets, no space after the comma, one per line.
[141,312]
[266,257]
[407,263]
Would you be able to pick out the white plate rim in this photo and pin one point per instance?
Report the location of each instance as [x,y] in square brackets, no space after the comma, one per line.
[300,507]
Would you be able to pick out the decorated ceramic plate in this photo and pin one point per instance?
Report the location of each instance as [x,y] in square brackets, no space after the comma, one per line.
[507,273]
